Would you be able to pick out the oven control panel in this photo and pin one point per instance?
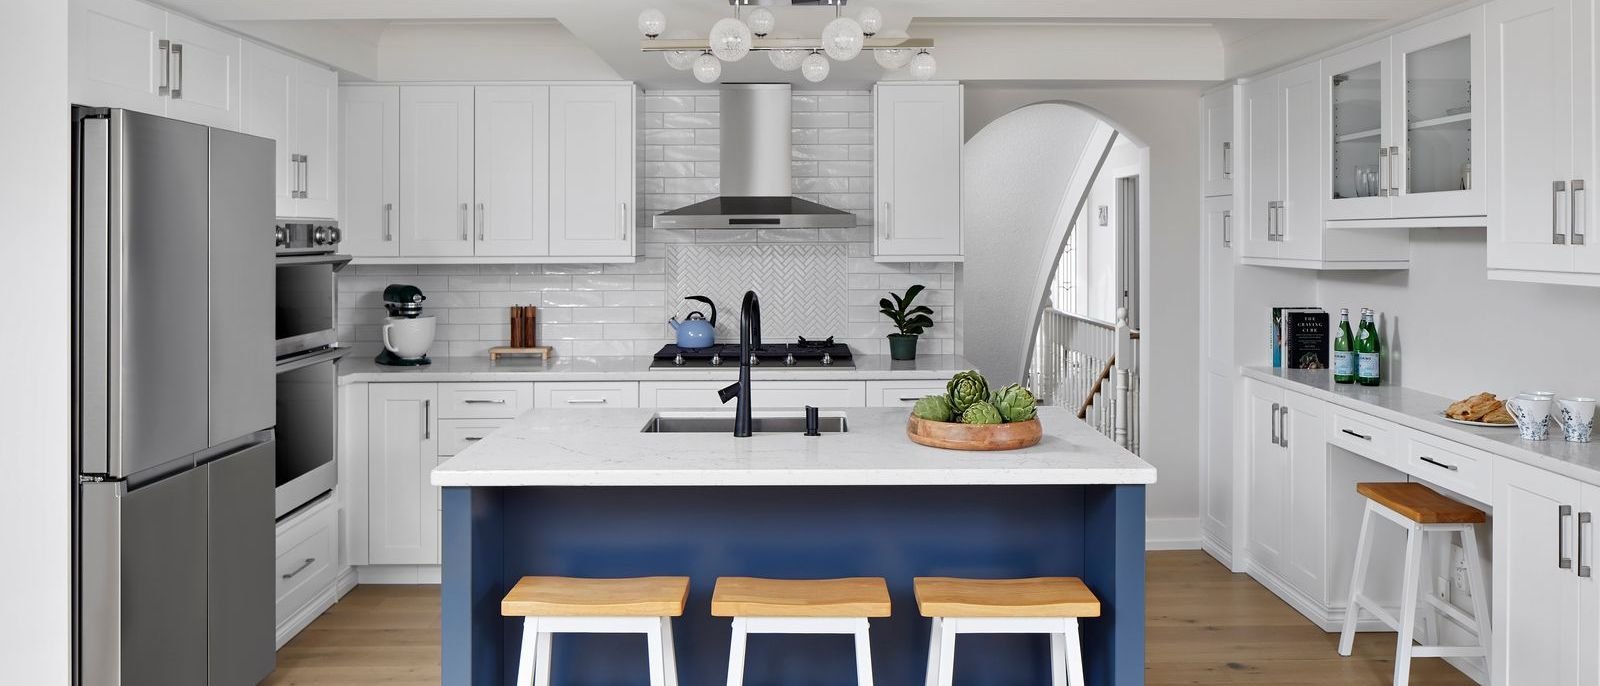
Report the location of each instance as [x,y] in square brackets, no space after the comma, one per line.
[306,238]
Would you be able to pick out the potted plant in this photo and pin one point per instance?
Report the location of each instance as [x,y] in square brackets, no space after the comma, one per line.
[910,321]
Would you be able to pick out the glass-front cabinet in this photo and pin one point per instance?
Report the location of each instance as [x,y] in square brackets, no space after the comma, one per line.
[1404,124]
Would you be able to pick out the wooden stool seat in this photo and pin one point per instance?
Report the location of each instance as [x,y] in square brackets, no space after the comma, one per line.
[1039,597]
[556,596]
[1421,504]
[738,596]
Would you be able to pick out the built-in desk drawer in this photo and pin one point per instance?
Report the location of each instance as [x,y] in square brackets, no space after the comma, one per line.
[1465,470]
[585,394]
[484,400]
[456,434]
[901,393]
[1366,436]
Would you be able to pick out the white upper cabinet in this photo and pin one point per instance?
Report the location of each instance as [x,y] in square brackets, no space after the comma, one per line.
[1216,121]
[295,103]
[592,207]
[268,103]
[436,170]
[513,170]
[1299,212]
[918,172]
[1359,83]
[1261,149]
[127,54]
[370,164]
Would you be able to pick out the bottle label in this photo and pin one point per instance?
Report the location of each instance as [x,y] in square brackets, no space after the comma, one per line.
[1367,365]
[1344,363]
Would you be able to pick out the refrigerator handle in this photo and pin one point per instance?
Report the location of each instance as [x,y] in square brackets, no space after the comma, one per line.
[99,172]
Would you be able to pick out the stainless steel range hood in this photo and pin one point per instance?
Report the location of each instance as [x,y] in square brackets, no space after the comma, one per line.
[756,191]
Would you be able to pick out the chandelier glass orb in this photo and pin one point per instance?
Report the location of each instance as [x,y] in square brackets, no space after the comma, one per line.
[892,59]
[761,21]
[652,22]
[679,59]
[815,67]
[731,39]
[787,59]
[842,39]
[707,68]
[871,20]
[923,66]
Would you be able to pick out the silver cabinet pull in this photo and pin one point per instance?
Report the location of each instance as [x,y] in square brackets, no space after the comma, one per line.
[1394,176]
[1283,426]
[302,174]
[908,399]
[470,439]
[1282,207]
[1437,463]
[1360,436]
[177,75]
[1584,520]
[1272,232]
[1556,190]
[388,221]
[1383,172]
[461,219]
[1563,514]
[1274,421]
[480,221]
[301,568]
[586,401]
[427,418]
[1575,221]
[888,224]
[485,401]
[1227,229]
[165,48]
[1227,159]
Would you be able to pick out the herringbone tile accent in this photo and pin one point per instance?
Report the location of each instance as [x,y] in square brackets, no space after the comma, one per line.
[803,287]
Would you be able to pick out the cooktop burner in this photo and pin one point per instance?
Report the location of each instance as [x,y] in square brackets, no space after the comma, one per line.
[805,353]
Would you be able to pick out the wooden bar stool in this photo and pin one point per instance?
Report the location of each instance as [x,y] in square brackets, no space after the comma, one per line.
[561,605]
[784,606]
[1045,605]
[1420,511]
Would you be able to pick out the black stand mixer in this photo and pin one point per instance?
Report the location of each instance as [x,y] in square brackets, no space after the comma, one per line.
[406,331]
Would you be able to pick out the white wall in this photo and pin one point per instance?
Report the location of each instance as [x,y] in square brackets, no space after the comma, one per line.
[1098,269]
[35,407]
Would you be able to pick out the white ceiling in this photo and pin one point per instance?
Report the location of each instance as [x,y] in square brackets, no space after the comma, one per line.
[1198,40]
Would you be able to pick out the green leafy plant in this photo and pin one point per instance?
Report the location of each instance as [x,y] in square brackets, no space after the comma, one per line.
[911,321]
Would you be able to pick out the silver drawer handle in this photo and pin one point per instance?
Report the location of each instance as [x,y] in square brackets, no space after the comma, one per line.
[1437,463]
[907,399]
[1562,515]
[479,401]
[301,568]
[1367,438]
[586,401]
[1557,190]
[388,221]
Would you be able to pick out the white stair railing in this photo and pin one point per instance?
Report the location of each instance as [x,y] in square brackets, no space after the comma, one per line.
[1091,367]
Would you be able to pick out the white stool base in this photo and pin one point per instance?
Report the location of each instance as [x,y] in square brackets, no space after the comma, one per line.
[533,665]
[744,626]
[1066,650]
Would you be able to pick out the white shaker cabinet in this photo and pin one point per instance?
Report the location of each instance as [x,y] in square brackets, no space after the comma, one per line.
[128,54]
[402,443]
[512,162]
[918,138]
[1261,149]
[269,78]
[370,164]
[1217,373]
[436,167]
[1536,587]
[592,207]
[1299,213]
[295,104]
[1216,121]
[205,74]
[1288,488]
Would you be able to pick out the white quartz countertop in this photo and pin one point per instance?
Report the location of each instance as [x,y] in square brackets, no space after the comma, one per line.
[637,368]
[1424,412]
[604,447]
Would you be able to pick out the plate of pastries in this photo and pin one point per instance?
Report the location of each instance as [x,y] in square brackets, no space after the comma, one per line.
[1482,409]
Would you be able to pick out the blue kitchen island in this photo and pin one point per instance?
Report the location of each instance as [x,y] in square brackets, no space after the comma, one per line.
[586,493]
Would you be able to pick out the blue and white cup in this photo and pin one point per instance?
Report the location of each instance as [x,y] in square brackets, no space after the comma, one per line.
[1576,416]
[1532,414]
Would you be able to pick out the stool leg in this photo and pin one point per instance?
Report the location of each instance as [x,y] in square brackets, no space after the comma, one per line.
[657,653]
[933,653]
[1058,659]
[1428,573]
[530,647]
[1480,600]
[1358,578]
[736,653]
[947,653]
[1074,654]
[541,672]
[670,650]
[863,656]
[1408,607]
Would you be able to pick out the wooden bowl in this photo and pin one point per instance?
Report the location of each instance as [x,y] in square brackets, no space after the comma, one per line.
[958,436]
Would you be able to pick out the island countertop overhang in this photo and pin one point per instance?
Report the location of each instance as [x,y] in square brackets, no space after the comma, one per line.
[605,447]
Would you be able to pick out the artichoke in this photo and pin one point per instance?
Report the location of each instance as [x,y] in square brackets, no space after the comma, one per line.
[934,408]
[1015,403]
[981,412]
[966,388]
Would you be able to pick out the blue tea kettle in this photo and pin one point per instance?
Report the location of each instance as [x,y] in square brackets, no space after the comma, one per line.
[695,331]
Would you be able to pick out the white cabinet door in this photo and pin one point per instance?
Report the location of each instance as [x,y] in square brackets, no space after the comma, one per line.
[402,440]
[1304,548]
[117,58]
[206,74]
[1269,477]
[1216,118]
[1262,148]
[1438,97]
[1536,587]
[436,170]
[1216,360]
[1300,219]
[1589,590]
[1530,108]
[512,211]
[592,211]
[1356,133]
[919,137]
[268,94]
[370,199]
[314,132]
[585,394]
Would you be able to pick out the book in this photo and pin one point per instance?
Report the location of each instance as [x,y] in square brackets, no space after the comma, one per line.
[1306,340]
[1276,340]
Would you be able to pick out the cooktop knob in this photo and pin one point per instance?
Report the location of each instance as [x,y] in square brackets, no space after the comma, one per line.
[716,360]
[827,359]
[678,359]
[788,360]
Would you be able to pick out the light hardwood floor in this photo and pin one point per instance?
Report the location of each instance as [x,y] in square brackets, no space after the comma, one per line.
[1205,626]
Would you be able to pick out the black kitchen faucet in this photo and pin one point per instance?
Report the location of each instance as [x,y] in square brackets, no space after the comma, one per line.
[749,340]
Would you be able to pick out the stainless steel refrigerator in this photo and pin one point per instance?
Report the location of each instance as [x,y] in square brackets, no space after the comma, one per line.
[174,402]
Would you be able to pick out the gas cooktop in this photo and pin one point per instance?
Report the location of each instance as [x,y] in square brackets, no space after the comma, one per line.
[804,353]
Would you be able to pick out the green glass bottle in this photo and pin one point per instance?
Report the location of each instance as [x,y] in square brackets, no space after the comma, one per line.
[1344,352]
[1369,352]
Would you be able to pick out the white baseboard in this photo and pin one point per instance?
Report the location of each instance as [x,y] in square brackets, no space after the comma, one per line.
[398,574]
[302,618]
[1175,533]
[1219,550]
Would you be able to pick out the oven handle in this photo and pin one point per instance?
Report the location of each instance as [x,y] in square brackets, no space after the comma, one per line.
[338,261]
[315,358]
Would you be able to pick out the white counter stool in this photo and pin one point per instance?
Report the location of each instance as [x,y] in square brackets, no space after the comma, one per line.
[562,605]
[1044,605]
[1420,511]
[792,606]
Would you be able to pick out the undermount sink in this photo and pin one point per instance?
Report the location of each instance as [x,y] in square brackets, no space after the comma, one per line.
[720,423]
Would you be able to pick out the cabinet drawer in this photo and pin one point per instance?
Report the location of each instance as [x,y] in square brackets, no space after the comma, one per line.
[484,400]
[1454,466]
[585,394]
[456,434]
[1365,436]
[769,395]
[901,393]
[307,557]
